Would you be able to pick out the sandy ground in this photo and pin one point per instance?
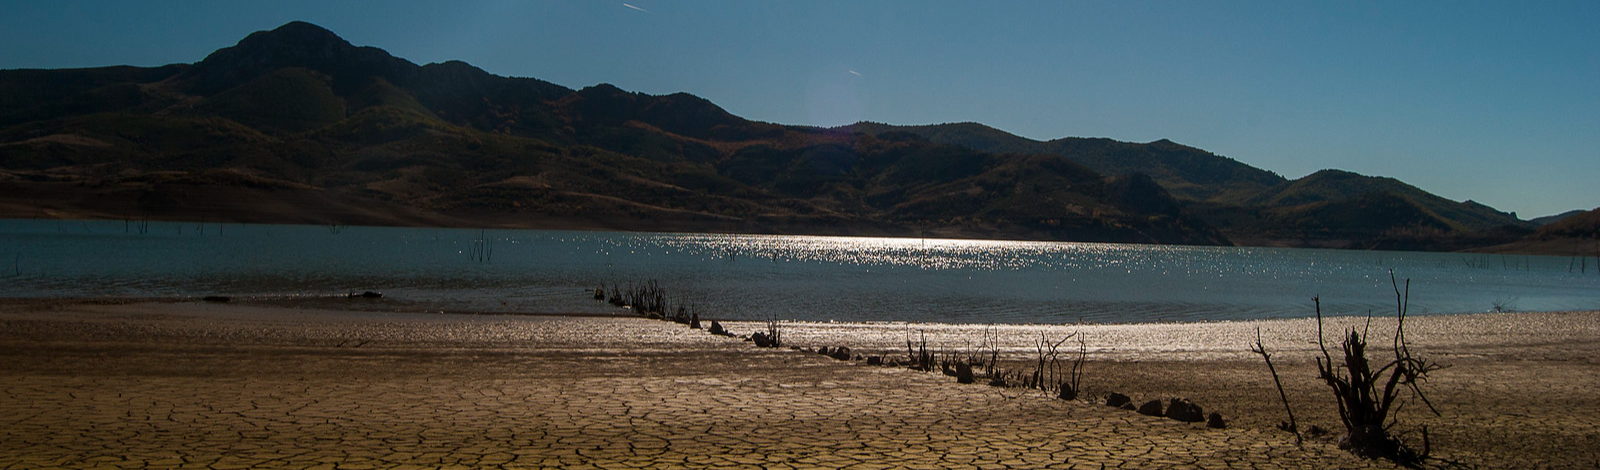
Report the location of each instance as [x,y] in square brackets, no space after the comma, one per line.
[194,385]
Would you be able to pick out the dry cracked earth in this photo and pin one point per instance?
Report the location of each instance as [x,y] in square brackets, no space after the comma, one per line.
[204,387]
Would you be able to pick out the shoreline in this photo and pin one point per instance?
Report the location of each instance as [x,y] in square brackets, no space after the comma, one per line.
[1508,398]
[1560,247]
[323,302]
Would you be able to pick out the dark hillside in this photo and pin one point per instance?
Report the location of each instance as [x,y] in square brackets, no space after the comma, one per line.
[1186,172]
[1581,225]
[298,125]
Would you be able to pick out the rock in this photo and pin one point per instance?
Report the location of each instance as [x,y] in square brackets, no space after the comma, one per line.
[964,373]
[694,321]
[874,360]
[761,340]
[823,350]
[1181,409]
[1117,400]
[1151,408]
[716,329]
[216,298]
[1216,421]
[841,353]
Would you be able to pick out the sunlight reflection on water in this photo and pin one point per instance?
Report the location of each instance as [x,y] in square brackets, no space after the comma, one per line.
[764,276]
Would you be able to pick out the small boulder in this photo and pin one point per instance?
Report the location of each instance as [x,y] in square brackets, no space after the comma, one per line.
[1151,408]
[1181,409]
[841,353]
[1216,421]
[874,360]
[1117,400]
[716,329]
[964,373]
[761,340]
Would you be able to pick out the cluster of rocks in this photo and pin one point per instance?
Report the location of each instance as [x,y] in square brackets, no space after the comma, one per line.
[1178,409]
[764,341]
[717,329]
[843,353]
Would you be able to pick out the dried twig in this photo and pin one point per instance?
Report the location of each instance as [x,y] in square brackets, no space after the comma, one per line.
[1259,348]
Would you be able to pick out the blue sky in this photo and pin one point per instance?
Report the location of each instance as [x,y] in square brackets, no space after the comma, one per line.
[1498,102]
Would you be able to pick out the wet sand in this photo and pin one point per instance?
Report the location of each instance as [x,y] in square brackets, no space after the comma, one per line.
[195,385]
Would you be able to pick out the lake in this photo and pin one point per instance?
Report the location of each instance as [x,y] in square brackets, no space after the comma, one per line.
[766,276]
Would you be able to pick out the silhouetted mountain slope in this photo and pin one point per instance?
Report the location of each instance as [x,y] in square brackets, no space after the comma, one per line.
[1550,219]
[31,95]
[299,125]
[1329,208]
[1575,234]
[1186,172]
[1336,186]
[294,45]
[1339,209]
[1580,225]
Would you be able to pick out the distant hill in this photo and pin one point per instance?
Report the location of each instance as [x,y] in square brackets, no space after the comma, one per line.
[298,125]
[1340,209]
[1550,219]
[1426,209]
[1186,172]
[1330,208]
[1581,225]
[1573,235]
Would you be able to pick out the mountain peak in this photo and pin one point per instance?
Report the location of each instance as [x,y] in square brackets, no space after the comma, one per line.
[298,31]
[295,44]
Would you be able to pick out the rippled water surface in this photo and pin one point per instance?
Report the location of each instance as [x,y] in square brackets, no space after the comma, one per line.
[755,277]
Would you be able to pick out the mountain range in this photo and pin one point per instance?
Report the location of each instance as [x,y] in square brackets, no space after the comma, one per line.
[297,125]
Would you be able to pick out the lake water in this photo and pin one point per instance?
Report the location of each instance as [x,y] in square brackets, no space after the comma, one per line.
[760,277]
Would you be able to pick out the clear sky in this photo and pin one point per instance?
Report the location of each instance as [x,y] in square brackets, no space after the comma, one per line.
[1498,101]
